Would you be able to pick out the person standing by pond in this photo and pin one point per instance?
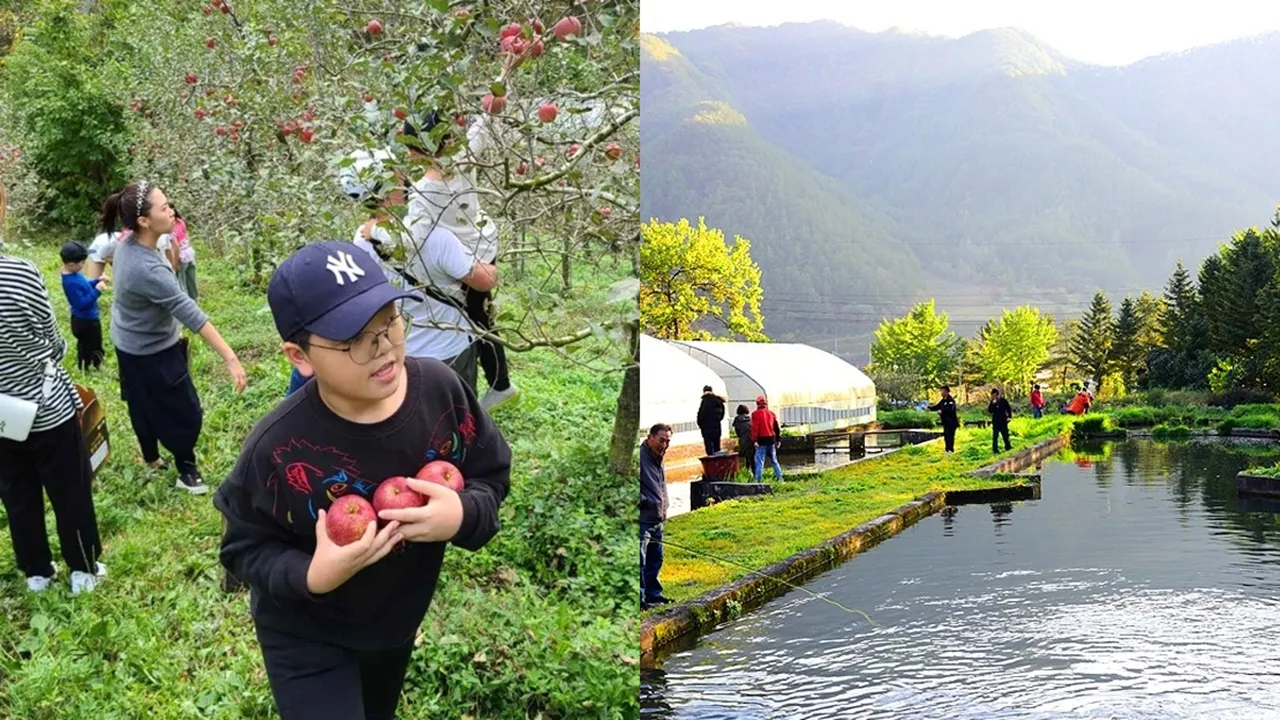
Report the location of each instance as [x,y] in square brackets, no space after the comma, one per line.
[946,409]
[1037,402]
[766,434]
[742,428]
[147,316]
[653,512]
[51,456]
[1001,412]
[710,415]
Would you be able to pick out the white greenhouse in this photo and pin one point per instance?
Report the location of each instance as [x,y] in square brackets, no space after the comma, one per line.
[671,385]
[810,390]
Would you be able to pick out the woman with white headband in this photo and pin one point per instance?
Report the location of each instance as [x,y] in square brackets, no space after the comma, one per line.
[149,307]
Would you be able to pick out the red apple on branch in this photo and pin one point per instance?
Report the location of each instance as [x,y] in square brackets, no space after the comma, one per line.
[547,113]
[613,151]
[192,79]
[374,27]
[210,43]
[567,27]
[347,519]
[493,105]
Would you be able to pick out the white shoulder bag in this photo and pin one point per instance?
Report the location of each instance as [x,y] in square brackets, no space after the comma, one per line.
[17,415]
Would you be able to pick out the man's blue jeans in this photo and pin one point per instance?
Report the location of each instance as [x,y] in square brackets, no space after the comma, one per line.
[650,561]
[772,451]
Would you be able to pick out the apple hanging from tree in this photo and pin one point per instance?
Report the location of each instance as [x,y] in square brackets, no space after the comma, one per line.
[374,27]
[511,30]
[567,27]
[400,114]
[220,131]
[210,43]
[347,519]
[613,151]
[305,134]
[394,494]
[522,168]
[547,113]
[537,49]
[494,105]
[442,472]
[573,150]
[537,26]
[192,79]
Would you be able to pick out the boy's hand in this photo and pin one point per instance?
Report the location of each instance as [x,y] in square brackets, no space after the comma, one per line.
[334,564]
[437,521]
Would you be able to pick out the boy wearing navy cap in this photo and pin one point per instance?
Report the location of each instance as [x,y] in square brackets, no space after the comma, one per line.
[82,296]
[337,623]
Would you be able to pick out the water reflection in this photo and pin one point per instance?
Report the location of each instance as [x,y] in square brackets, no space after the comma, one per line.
[1139,587]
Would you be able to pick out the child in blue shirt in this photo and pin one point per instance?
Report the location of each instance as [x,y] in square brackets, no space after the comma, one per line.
[82,295]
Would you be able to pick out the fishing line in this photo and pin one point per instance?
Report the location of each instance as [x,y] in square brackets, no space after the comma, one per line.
[727,561]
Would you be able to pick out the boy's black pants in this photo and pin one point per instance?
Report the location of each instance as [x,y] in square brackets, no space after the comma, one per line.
[949,437]
[312,680]
[88,334]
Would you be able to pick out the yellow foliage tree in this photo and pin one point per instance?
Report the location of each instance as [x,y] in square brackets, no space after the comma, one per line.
[690,278]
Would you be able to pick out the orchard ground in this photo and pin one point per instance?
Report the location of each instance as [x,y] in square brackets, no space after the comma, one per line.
[542,622]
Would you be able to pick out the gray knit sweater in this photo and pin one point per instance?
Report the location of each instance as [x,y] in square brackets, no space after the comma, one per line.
[149,304]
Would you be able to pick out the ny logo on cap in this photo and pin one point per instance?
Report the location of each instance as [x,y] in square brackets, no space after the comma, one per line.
[344,264]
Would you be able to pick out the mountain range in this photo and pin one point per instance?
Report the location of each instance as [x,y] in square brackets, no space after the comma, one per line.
[870,170]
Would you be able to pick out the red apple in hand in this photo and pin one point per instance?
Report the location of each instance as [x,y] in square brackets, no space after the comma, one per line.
[394,494]
[442,472]
[567,27]
[347,518]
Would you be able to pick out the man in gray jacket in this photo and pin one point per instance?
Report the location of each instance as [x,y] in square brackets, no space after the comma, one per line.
[653,512]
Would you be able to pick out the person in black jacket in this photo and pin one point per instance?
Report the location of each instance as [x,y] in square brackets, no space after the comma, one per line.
[946,409]
[710,415]
[742,428]
[1001,411]
[653,512]
[336,622]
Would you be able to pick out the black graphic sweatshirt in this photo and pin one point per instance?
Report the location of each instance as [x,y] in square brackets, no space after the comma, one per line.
[302,456]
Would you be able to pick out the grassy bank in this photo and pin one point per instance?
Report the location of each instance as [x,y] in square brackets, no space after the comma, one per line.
[541,621]
[717,545]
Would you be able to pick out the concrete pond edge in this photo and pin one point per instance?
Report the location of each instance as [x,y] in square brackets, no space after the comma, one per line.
[663,633]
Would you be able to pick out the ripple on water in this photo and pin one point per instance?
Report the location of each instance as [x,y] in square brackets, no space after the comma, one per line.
[1119,601]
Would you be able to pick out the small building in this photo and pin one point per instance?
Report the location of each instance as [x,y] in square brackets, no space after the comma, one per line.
[809,389]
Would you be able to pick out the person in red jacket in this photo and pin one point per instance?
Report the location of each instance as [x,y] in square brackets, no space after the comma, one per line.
[1037,402]
[766,434]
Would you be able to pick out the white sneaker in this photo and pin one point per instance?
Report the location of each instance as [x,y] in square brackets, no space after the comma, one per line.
[494,399]
[37,583]
[85,582]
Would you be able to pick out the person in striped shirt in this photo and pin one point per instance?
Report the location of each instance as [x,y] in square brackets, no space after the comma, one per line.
[53,458]
[146,319]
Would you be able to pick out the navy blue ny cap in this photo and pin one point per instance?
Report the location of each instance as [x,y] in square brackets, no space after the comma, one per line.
[332,289]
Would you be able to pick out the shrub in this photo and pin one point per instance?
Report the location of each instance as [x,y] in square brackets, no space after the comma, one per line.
[1241,396]
[1090,425]
[907,419]
[1226,426]
[1134,417]
[1171,432]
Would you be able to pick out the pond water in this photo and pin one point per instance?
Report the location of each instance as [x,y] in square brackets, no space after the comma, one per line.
[835,452]
[1138,586]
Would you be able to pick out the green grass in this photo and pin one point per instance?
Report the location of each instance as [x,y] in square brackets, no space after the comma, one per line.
[1268,471]
[541,621]
[907,419]
[718,545]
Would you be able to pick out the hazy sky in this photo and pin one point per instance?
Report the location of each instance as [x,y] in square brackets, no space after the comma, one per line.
[1115,32]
